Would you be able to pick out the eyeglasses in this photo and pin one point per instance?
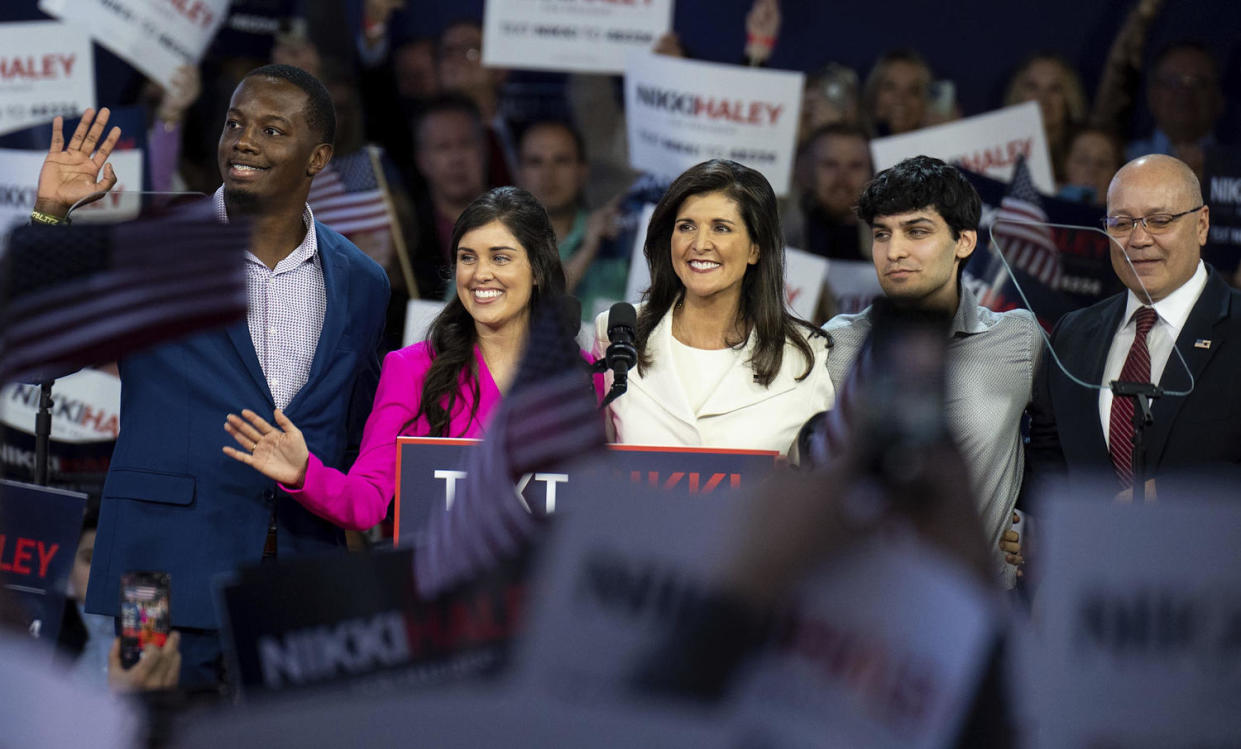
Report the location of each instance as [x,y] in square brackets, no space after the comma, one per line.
[1158,223]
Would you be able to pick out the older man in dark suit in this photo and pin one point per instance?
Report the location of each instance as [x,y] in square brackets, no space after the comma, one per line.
[1177,326]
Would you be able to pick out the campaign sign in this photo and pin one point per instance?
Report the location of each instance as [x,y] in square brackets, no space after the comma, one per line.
[355,620]
[850,666]
[844,665]
[47,68]
[155,36]
[583,36]
[854,284]
[39,530]
[1138,627]
[639,279]
[85,422]
[1221,187]
[1083,251]
[803,281]
[989,143]
[428,470]
[418,316]
[612,583]
[682,112]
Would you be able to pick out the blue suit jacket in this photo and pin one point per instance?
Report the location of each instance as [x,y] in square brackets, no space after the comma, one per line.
[173,501]
[1190,432]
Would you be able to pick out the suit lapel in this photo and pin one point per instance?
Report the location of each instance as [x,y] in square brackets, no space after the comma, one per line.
[664,387]
[738,389]
[335,315]
[239,334]
[1097,336]
[1211,307]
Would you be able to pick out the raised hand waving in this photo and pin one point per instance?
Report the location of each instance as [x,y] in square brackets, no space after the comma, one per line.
[72,173]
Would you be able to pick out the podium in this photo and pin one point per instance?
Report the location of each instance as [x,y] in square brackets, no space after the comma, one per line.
[428,469]
[39,532]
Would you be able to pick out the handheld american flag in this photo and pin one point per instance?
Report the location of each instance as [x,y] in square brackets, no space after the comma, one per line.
[71,296]
[352,196]
[1019,232]
[347,196]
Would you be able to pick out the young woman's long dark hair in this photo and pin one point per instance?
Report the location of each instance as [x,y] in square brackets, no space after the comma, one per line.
[762,288]
[452,334]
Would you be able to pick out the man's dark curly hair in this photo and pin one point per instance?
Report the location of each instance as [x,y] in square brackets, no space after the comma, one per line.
[916,183]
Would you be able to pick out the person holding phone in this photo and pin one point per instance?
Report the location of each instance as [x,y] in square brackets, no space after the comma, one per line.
[721,360]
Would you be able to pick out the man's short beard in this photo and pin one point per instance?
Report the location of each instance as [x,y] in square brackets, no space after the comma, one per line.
[240,202]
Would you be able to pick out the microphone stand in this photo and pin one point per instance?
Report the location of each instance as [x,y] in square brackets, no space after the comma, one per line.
[617,390]
[1142,394]
[42,432]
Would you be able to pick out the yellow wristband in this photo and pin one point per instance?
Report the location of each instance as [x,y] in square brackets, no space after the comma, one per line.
[39,217]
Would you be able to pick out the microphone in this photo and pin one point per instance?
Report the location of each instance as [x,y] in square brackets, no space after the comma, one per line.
[622,353]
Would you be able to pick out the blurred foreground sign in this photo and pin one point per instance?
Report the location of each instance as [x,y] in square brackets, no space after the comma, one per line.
[881,648]
[428,469]
[348,621]
[1139,623]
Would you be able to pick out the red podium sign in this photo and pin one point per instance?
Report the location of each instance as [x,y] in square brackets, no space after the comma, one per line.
[428,469]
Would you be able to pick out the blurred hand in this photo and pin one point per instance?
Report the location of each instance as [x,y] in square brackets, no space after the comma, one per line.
[157,668]
[604,222]
[184,90]
[1010,544]
[762,27]
[277,452]
[668,44]
[71,173]
[1149,8]
[377,12]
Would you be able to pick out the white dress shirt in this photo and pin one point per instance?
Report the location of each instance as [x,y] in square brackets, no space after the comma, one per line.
[1173,310]
[286,308]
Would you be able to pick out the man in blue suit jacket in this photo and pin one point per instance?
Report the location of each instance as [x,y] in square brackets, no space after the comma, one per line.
[1158,223]
[172,500]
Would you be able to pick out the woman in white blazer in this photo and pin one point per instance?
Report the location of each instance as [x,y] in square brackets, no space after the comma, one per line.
[721,361]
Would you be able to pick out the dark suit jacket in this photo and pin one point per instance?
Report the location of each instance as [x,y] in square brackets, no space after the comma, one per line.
[173,501]
[1194,431]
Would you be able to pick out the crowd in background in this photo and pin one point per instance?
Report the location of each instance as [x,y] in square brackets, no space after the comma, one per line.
[436,127]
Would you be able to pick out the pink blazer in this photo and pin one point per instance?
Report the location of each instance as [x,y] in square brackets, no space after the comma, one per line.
[359,499]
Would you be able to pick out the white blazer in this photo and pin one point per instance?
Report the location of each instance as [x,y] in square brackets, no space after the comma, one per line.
[738,414]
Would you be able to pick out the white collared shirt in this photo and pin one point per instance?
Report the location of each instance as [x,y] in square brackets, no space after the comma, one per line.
[1173,311]
[286,309]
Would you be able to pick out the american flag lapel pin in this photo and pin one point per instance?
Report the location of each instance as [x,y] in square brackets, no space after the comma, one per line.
[1202,343]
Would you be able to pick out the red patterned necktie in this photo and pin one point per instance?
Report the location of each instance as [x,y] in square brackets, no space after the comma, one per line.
[1120,424]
